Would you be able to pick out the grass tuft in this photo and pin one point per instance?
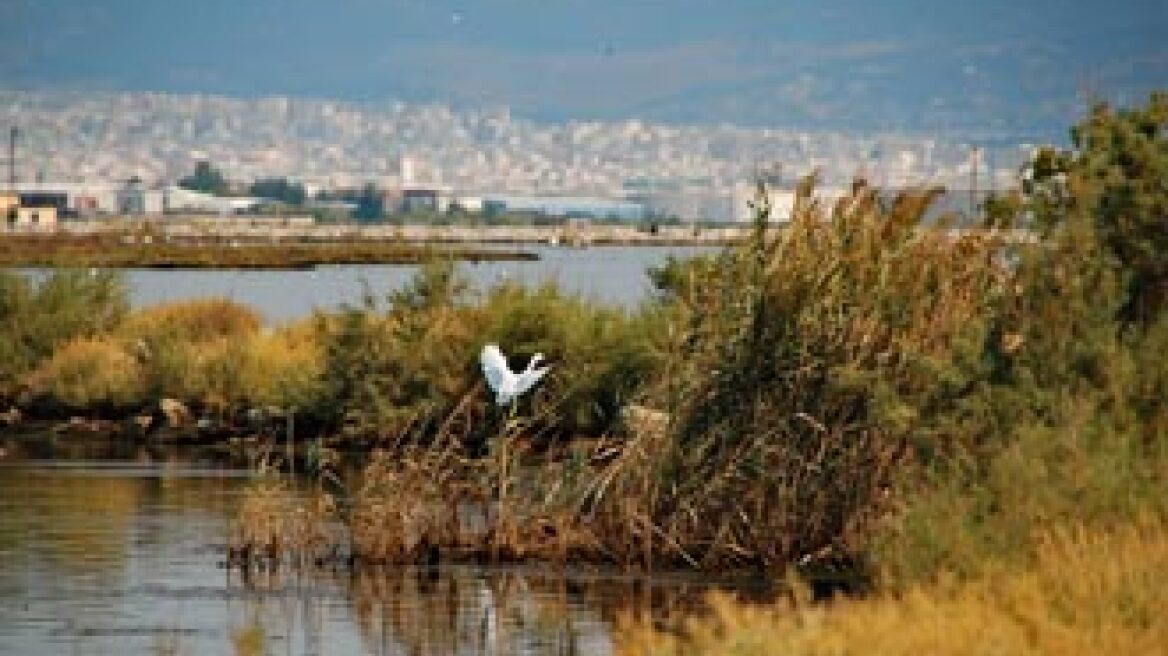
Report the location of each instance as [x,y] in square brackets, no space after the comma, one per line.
[1088,592]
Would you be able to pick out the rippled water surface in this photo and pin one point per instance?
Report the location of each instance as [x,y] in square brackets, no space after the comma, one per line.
[118,551]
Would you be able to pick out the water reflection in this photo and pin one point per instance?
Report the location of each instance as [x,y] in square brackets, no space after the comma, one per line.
[123,554]
[457,610]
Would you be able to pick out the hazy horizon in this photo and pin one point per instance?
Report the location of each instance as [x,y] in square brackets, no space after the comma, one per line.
[902,66]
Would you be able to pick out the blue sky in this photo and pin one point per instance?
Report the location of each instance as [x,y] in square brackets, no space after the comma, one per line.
[853,64]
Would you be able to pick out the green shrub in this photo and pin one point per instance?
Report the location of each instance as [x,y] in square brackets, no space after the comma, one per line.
[284,367]
[600,356]
[1072,420]
[194,321]
[386,372]
[39,315]
[1112,181]
[192,350]
[416,365]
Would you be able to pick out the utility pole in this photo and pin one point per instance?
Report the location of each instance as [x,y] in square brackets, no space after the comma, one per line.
[13,133]
[974,157]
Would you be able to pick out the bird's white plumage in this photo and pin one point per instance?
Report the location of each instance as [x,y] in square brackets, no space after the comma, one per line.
[507,384]
[494,366]
[530,375]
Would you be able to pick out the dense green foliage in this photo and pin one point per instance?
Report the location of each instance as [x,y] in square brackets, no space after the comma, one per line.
[415,365]
[280,189]
[206,179]
[1114,179]
[37,316]
[370,204]
[1070,420]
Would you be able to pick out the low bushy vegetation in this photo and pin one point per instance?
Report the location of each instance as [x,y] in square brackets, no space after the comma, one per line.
[188,322]
[90,373]
[212,354]
[282,367]
[414,366]
[194,351]
[391,368]
[40,314]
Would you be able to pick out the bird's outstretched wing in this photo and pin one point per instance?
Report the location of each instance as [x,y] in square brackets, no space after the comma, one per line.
[529,378]
[494,366]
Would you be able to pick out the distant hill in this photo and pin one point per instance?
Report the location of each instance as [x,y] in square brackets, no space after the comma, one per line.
[1021,68]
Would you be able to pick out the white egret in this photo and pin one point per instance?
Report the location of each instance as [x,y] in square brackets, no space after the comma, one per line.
[507,384]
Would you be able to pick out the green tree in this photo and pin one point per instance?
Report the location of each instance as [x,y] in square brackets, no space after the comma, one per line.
[279,189]
[370,204]
[206,179]
[1114,180]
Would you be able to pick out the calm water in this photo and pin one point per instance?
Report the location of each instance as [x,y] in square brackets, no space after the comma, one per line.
[118,551]
[612,274]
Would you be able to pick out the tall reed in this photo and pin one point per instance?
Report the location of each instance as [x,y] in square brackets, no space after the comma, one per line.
[810,366]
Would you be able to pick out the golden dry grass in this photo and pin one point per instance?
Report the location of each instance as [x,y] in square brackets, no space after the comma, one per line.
[89,372]
[192,321]
[1088,592]
[277,524]
[250,640]
[283,367]
[194,350]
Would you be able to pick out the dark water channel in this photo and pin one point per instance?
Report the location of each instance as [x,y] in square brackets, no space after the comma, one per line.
[118,549]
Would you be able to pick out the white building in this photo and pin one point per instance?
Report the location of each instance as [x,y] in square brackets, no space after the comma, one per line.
[135,199]
[185,200]
[781,200]
[467,203]
[82,198]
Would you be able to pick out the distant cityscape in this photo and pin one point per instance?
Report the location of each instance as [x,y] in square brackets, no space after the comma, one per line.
[125,153]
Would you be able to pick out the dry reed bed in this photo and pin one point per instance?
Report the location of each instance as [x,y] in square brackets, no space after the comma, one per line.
[805,374]
[143,251]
